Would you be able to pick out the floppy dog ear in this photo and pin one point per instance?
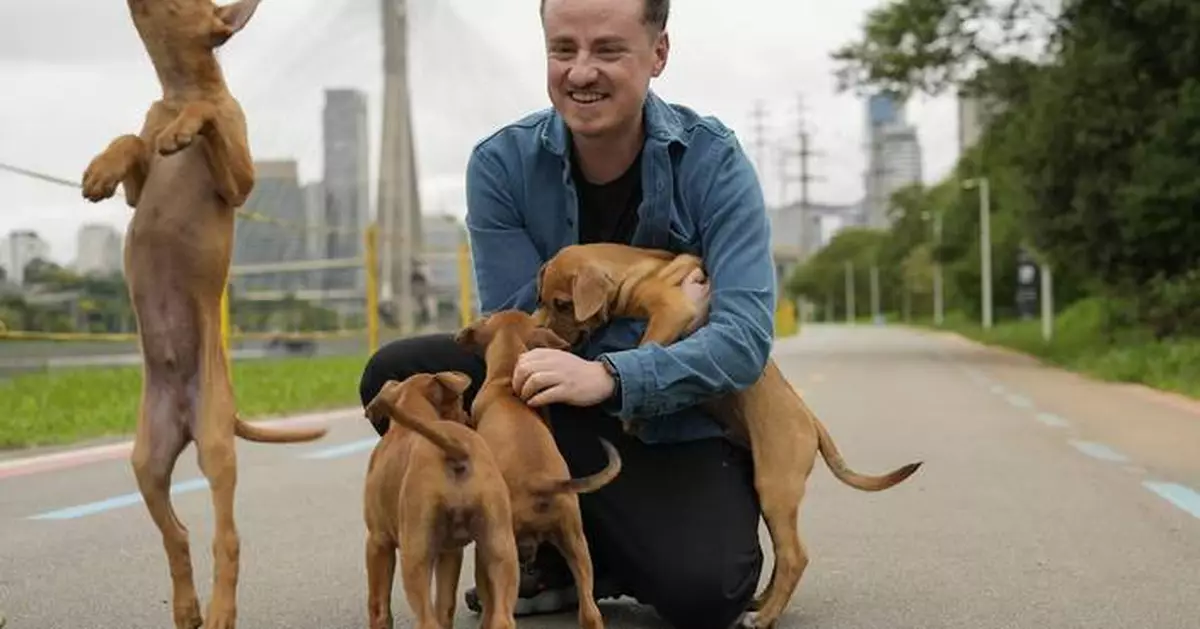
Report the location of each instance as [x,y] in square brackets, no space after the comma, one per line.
[233,17]
[468,337]
[545,337]
[590,292]
[455,381]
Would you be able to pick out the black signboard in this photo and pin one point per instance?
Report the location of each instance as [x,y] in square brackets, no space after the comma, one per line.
[1028,284]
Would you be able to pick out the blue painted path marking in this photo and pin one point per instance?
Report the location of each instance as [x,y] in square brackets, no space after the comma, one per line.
[1178,495]
[117,502]
[1019,401]
[1052,420]
[345,449]
[1099,451]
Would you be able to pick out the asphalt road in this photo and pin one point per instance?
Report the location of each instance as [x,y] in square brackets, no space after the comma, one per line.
[1046,501]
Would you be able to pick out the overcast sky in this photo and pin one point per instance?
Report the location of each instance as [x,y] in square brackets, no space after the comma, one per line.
[75,76]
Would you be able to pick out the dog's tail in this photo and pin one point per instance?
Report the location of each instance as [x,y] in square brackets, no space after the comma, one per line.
[454,449]
[842,471]
[262,434]
[587,484]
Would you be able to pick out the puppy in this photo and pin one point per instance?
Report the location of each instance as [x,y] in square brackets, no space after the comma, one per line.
[584,286]
[432,487]
[185,173]
[545,505]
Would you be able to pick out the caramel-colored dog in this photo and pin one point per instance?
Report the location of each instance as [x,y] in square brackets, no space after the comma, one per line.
[430,497]
[545,504]
[584,286]
[185,174]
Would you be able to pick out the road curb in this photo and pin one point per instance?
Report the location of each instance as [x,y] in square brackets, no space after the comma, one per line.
[1175,400]
[64,459]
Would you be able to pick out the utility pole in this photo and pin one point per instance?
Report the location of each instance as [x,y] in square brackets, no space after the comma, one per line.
[849,292]
[875,295]
[759,137]
[938,300]
[804,152]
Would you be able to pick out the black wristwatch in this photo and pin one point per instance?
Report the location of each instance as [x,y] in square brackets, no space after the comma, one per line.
[614,401]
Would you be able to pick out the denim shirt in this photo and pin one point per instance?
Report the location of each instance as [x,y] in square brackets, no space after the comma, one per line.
[700,195]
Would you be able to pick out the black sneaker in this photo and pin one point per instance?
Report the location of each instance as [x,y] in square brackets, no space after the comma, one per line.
[546,592]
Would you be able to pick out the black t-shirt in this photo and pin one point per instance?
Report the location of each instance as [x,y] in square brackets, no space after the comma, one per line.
[609,212]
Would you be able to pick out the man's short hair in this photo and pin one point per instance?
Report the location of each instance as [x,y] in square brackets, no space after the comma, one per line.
[654,13]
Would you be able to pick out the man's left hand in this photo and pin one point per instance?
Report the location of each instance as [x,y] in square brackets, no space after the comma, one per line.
[548,376]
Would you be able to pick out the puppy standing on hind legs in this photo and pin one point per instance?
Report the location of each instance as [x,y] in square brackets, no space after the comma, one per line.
[432,487]
[185,174]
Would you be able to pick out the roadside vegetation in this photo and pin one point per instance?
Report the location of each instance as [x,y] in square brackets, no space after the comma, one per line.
[1092,155]
[69,405]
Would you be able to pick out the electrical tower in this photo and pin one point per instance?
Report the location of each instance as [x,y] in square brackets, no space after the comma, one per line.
[760,140]
[399,212]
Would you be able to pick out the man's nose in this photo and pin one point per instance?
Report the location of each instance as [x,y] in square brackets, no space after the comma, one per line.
[582,73]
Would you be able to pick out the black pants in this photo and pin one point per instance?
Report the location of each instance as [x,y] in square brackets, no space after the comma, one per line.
[677,529]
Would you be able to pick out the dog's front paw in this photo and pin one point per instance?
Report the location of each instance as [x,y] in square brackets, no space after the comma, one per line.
[173,139]
[750,620]
[101,178]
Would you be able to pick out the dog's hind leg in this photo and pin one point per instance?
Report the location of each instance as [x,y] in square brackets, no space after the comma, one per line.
[162,434]
[573,546]
[497,569]
[449,566]
[218,461]
[381,574]
[781,506]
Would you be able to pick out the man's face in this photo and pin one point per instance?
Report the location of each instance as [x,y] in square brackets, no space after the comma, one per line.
[601,57]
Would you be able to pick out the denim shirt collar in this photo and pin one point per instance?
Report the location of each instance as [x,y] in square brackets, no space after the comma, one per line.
[661,122]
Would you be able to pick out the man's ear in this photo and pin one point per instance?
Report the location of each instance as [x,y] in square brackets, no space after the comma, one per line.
[589,292]
[233,18]
[545,337]
[454,381]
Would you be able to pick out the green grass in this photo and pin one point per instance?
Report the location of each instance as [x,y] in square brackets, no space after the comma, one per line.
[69,405]
[1080,343]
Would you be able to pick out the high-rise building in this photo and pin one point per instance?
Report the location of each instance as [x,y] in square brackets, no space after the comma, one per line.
[100,250]
[20,248]
[278,235]
[314,237]
[345,183]
[893,157]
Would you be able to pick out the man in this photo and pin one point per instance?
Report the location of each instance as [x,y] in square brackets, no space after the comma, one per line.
[678,528]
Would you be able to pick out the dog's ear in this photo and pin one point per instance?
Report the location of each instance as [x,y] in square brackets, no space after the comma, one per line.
[454,381]
[233,17]
[590,291]
[545,337]
[467,337]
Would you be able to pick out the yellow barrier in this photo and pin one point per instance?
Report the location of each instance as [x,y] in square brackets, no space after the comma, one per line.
[466,311]
[371,247]
[786,323]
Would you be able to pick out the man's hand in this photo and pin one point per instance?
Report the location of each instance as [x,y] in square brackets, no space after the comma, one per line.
[695,286]
[547,376]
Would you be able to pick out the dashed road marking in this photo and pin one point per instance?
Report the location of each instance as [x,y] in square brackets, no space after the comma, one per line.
[1052,420]
[1183,497]
[1099,451]
[116,502]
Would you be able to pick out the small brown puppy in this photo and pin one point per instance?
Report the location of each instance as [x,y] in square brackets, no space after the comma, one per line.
[432,487]
[584,286]
[545,505]
[185,174]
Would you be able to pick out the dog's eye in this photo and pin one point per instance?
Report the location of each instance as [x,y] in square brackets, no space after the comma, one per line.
[562,305]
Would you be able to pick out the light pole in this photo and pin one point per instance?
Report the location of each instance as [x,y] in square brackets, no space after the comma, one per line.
[938,303]
[985,246]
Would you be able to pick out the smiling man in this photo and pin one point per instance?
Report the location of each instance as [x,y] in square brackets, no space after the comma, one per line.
[612,162]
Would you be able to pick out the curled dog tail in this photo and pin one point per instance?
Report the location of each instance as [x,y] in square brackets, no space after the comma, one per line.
[842,471]
[587,484]
[262,434]
[454,449]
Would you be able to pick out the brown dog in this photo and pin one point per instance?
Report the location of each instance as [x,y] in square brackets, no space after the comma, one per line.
[584,286]
[545,505]
[185,174]
[430,497]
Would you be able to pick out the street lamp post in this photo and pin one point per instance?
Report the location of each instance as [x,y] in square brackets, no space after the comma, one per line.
[985,246]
